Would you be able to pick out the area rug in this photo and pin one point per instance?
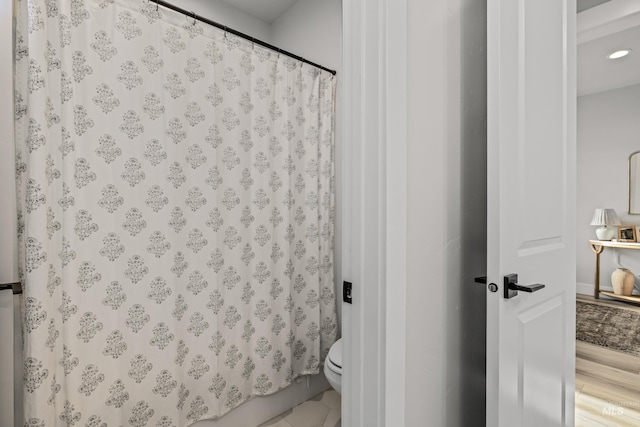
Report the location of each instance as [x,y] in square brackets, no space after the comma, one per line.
[611,327]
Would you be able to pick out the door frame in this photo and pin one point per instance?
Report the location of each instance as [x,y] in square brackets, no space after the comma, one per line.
[374,211]
[403,337]
[11,352]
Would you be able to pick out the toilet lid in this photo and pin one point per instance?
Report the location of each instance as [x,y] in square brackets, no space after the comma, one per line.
[335,353]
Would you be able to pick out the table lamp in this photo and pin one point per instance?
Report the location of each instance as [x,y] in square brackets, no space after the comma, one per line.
[604,218]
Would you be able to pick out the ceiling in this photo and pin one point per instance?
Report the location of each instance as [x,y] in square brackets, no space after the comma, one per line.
[265,10]
[583,5]
[597,73]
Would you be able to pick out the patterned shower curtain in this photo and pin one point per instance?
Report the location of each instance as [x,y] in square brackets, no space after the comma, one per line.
[176,194]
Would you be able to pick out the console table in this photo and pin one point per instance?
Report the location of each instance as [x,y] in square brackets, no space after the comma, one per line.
[597,246]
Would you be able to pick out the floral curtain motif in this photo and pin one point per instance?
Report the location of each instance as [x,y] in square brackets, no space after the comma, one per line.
[176,215]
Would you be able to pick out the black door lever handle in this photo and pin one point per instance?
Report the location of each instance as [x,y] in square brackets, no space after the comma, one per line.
[526,288]
[482,280]
[511,286]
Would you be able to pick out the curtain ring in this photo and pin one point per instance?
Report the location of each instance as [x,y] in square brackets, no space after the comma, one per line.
[225,31]
[253,43]
[194,17]
[157,6]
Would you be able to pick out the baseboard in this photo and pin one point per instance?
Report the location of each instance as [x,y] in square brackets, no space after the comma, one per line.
[588,288]
[584,288]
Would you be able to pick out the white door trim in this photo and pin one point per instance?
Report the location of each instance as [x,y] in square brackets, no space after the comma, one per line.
[396,209]
[11,369]
[374,211]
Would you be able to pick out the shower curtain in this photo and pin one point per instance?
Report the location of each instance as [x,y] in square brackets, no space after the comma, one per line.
[176,215]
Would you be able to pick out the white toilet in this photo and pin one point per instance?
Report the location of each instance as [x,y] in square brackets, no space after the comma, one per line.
[333,366]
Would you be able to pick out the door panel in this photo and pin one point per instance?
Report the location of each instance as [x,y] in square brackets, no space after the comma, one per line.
[542,158]
[543,367]
[531,211]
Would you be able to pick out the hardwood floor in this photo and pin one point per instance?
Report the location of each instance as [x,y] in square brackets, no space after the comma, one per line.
[607,383]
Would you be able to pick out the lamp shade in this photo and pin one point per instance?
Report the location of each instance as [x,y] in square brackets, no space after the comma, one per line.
[605,217]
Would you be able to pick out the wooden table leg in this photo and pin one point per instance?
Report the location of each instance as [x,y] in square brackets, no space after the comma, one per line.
[597,250]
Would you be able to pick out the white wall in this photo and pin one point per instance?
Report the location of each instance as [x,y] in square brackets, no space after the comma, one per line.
[312,29]
[225,14]
[608,131]
[446,213]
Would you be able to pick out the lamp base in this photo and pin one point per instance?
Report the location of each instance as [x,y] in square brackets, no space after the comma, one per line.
[606,233]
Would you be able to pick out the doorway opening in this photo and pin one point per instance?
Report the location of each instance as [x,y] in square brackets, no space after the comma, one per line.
[607,362]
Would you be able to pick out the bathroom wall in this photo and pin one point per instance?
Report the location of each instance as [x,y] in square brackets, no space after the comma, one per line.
[312,29]
[608,131]
[446,213]
[225,14]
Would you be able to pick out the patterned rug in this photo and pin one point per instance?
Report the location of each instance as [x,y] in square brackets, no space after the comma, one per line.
[611,327]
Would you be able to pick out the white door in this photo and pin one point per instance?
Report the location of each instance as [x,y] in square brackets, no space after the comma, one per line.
[531,204]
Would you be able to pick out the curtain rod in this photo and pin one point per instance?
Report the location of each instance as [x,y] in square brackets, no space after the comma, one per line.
[238,33]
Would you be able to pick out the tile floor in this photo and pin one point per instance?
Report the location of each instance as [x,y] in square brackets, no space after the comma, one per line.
[320,411]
